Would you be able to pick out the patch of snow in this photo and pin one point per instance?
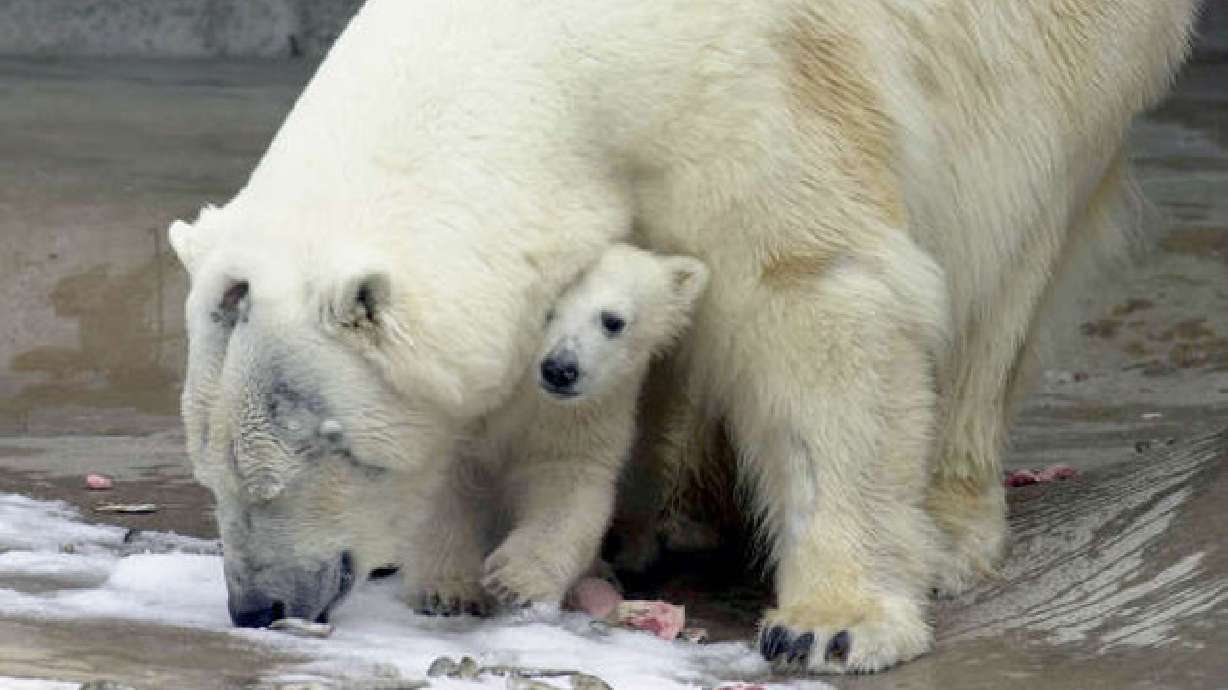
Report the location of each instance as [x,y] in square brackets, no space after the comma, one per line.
[373,628]
[8,683]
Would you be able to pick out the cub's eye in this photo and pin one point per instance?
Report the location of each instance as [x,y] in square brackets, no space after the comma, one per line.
[612,323]
[549,316]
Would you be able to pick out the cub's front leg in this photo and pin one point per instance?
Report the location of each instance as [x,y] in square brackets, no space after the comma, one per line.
[560,505]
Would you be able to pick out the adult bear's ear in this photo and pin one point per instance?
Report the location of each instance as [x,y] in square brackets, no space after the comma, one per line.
[190,242]
[181,241]
[688,277]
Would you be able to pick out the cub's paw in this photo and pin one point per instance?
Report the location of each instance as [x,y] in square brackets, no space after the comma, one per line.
[451,598]
[517,578]
[796,639]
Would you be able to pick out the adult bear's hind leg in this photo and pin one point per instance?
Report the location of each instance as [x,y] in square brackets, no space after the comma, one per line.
[1000,355]
[829,388]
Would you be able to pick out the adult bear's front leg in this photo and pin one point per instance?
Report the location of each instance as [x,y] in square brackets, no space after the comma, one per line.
[442,567]
[828,385]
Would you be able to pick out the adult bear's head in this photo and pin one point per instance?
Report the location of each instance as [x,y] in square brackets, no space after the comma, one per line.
[293,420]
[324,390]
[334,358]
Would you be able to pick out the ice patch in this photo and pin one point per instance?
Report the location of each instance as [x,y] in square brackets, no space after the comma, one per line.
[171,587]
[8,683]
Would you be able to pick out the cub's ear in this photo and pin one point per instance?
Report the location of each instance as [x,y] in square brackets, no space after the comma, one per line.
[688,278]
[182,241]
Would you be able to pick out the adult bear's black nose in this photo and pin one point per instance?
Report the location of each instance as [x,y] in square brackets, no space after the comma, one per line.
[559,372]
[256,612]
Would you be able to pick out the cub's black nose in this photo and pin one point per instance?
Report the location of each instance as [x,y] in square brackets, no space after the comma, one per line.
[560,370]
[257,616]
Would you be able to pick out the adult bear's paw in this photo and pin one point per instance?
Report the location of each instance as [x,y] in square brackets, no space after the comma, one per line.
[447,596]
[808,638]
[972,520]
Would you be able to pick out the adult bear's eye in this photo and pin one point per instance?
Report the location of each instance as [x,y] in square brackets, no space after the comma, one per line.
[612,323]
[234,302]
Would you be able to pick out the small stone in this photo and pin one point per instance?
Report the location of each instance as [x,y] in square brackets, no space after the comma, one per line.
[302,627]
[526,671]
[126,508]
[443,666]
[98,482]
[584,681]
[1141,446]
[468,668]
[68,548]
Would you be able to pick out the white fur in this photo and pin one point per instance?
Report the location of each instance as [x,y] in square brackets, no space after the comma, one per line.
[554,462]
[886,193]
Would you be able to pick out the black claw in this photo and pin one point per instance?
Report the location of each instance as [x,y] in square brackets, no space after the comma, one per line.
[473,608]
[799,651]
[773,642]
[838,647]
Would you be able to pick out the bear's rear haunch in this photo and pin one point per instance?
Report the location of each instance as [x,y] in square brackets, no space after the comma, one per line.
[889,196]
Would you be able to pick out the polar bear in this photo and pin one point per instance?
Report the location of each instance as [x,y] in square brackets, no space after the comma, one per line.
[889,195]
[552,455]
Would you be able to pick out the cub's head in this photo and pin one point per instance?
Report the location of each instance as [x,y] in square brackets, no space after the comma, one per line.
[629,306]
[292,420]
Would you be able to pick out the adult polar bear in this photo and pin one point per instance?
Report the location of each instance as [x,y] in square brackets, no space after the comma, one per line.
[888,193]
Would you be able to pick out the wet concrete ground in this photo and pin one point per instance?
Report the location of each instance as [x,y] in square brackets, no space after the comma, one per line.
[96,158]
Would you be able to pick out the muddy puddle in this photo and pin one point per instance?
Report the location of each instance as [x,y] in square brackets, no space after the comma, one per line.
[145,655]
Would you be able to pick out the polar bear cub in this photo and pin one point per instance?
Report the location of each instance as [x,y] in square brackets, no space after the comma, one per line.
[564,438]
[554,452]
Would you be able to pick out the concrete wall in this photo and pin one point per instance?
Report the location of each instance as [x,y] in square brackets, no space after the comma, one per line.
[243,28]
[96,158]
[172,28]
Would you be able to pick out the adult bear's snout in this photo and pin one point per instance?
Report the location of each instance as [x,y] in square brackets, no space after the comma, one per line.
[255,610]
[257,598]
